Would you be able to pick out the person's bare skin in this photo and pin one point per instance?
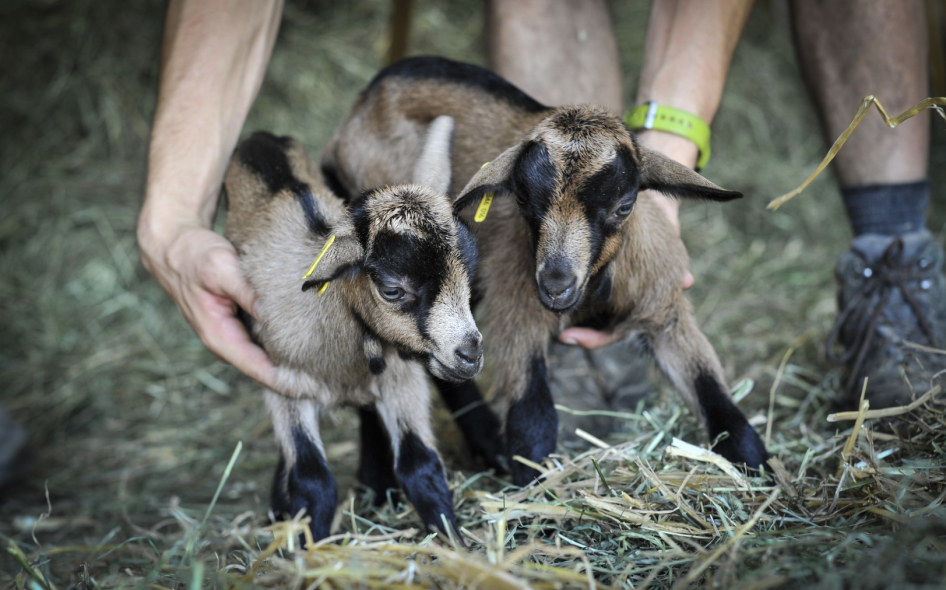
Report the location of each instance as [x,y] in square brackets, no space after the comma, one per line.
[538,44]
[870,47]
[214,56]
[687,54]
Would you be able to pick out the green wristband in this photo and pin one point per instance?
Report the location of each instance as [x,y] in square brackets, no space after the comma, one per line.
[660,118]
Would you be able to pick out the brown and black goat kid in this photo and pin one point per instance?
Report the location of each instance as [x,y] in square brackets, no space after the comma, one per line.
[389,299]
[568,240]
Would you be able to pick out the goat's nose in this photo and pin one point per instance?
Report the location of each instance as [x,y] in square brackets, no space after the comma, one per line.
[471,351]
[558,284]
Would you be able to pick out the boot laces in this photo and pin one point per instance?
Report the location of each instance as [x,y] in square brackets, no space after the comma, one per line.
[890,272]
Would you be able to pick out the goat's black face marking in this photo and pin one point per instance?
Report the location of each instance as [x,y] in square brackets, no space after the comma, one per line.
[469,254]
[409,271]
[444,70]
[608,198]
[743,444]
[532,423]
[307,484]
[265,155]
[420,473]
[535,183]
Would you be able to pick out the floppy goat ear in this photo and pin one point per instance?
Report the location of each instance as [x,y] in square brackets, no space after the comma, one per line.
[433,167]
[660,173]
[493,176]
[340,253]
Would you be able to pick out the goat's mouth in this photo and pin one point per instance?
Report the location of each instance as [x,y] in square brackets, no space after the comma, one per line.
[455,372]
[560,298]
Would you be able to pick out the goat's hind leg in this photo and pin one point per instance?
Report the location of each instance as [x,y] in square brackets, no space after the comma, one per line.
[376,463]
[688,359]
[303,479]
[479,425]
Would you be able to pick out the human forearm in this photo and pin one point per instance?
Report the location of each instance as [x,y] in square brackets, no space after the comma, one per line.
[214,58]
[687,52]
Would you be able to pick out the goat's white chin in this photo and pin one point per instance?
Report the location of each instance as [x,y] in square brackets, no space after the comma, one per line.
[453,373]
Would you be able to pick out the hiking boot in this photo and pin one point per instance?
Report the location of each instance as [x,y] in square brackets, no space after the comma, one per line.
[892,292]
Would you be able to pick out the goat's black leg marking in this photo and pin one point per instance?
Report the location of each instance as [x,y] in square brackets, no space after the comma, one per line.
[376,465]
[420,472]
[280,502]
[479,425]
[531,423]
[743,444]
[308,484]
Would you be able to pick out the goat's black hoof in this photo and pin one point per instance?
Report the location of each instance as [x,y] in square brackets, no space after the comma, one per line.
[745,447]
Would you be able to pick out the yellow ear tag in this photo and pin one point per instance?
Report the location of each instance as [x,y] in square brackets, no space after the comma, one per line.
[485,164]
[323,288]
[317,259]
[481,211]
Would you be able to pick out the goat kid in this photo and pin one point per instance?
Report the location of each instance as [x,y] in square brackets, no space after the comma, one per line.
[576,245]
[393,282]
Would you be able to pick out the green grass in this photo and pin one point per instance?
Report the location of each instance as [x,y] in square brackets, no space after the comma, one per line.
[133,422]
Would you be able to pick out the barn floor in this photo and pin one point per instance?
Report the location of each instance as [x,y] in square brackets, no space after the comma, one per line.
[132,422]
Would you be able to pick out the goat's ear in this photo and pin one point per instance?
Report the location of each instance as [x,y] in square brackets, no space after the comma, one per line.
[660,173]
[340,253]
[433,167]
[493,177]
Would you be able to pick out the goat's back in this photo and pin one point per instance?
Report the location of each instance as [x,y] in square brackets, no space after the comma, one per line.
[279,216]
[490,115]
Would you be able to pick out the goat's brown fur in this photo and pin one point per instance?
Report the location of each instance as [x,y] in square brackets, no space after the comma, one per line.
[571,151]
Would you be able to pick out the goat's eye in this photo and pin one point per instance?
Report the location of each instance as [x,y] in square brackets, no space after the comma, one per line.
[624,209]
[392,293]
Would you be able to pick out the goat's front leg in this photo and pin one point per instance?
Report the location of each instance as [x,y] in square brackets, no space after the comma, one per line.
[417,466]
[479,425]
[303,480]
[686,357]
[531,419]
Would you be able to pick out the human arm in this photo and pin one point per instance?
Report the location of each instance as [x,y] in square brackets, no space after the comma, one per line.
[214,57]
[687,52]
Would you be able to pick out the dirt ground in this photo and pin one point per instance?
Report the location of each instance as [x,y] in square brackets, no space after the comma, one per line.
[132,421]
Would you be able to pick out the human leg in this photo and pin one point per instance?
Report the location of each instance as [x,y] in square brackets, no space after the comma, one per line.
[558,52]
[891,283]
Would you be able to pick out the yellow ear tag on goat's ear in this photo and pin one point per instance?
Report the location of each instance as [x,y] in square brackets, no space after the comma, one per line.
[483,209]
[323,288]
[317,259]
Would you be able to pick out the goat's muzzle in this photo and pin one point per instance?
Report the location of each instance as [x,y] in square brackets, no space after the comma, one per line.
[558,285]
[466,363]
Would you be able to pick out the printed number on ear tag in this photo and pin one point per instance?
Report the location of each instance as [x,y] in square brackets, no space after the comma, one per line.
[483,209]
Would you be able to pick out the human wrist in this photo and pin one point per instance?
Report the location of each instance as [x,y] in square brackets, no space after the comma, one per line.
[158,229]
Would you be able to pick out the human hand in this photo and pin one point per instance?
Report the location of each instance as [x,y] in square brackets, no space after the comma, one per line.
[200,271]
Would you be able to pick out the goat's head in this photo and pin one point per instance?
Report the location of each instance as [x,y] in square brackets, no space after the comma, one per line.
[575,178]
[414,262]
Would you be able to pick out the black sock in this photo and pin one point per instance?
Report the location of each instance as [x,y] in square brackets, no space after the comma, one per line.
[887,209]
